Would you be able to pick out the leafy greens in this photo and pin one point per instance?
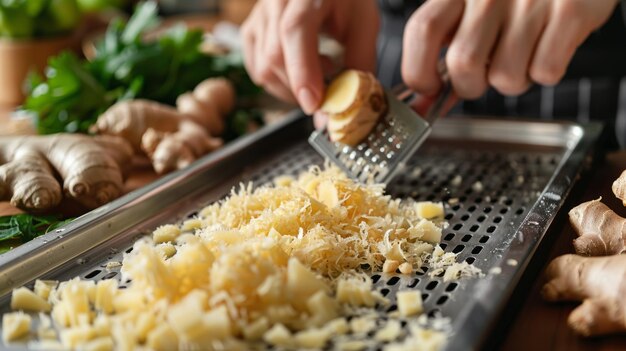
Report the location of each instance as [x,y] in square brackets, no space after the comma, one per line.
[21,228]
[127,66]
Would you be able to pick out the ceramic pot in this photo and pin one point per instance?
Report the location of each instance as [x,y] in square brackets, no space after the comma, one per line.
[19,57]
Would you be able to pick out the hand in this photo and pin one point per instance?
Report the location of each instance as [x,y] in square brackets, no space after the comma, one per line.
[506,44]
[281,44]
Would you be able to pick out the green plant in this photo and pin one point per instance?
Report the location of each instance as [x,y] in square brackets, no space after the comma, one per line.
[21,228]
[24,19]
[127,66]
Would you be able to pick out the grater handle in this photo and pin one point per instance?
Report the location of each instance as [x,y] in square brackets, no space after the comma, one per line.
[429,109]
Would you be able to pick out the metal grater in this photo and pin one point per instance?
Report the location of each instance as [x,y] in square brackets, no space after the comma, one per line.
[505,221]
[393,140]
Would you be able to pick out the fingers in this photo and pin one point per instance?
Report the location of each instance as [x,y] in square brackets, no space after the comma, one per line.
[263,51]
[508,71]
[299,28]
[471,47]
[569,25]
[565,31]
[424,37]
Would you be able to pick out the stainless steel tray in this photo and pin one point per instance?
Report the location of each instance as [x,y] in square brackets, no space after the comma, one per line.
[526,170]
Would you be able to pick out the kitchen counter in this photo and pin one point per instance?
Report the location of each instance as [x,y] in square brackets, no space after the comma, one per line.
[541,325]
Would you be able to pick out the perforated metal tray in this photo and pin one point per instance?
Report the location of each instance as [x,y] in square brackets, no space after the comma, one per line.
[525,170]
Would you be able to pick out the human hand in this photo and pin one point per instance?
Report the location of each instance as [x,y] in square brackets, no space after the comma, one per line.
[506,44]
[281,44]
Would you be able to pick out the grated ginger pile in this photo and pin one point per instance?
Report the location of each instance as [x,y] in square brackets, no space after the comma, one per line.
[278,265]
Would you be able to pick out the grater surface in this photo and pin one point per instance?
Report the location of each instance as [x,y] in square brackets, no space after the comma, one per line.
[394,139]
[489,225]
[384,152]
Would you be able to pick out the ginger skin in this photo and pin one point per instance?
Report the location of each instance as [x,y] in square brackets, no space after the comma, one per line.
[90,167]
[601,231]
[619,187]
[599,282]
[172,137]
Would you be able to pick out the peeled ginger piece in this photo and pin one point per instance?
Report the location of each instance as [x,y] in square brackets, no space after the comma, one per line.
[15,326]
[354,102]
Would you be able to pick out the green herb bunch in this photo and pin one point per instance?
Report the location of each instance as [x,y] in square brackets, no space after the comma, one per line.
[75,92]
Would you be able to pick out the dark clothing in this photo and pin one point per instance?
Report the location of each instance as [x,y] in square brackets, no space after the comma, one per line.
[593,88]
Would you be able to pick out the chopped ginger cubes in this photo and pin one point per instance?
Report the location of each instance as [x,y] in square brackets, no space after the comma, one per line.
[278,265]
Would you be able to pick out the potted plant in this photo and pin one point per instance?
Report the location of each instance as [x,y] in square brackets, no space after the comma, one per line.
[30,32]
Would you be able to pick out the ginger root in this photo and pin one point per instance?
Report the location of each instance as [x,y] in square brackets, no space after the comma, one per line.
[172,138]
[354,103]
[90,167]
[619,187]
[601,231]
[597,281]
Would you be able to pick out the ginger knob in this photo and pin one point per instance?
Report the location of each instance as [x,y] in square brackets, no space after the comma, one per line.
[354,103]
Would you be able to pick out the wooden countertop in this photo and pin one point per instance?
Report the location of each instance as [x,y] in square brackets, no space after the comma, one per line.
[540,325]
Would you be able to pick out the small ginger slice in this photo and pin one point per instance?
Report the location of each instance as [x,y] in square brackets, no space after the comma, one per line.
[15,325]
[601,231]
[598,282]
[354,102]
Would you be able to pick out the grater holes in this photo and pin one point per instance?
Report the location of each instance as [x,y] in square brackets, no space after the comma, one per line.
[442,299]
[413,283]
[458,249]
[449,237]
[488,209]
[393,281]
[466,238]
[384,291]
[519,211]
[483,239]
[497,219]
[451,287]
[432,285]
[471,208]
[434,313]
[491,229]
[470,260]
[465,217]
[474,228]
[481,218]
[129,250]
[392,308]
[92,274]
[476,250]
[109,275]
[443,246]
[375,278]
[504,210]
[456,207]
[449,216]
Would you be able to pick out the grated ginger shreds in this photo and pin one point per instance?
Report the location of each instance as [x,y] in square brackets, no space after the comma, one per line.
[278,264]
[445,263]
[326,220]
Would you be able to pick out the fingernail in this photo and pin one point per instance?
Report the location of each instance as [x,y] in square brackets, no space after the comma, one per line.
[307,100]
